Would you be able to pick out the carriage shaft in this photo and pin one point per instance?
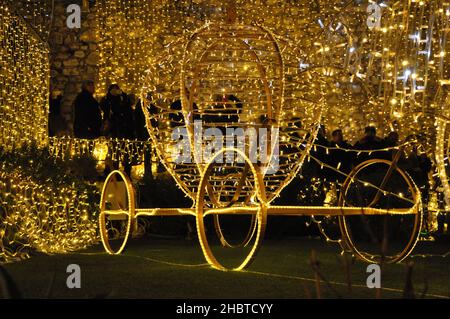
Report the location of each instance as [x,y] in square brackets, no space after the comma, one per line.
[335,211]
[271,210]
[310,211]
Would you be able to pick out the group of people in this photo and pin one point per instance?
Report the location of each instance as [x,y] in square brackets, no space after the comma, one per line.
[340,156]
[118,115]
[115,116]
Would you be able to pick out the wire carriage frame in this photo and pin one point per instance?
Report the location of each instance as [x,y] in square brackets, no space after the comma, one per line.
[251,190]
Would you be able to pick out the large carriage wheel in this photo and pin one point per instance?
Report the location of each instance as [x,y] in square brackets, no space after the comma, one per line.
[391,237]
[257,208]
[117,209]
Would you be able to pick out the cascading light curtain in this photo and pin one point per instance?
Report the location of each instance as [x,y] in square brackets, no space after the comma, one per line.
[36,211]
[24,82]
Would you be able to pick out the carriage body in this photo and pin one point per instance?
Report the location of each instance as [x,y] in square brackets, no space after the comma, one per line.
[237,81]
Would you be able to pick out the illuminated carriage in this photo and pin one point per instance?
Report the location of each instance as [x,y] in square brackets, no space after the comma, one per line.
[231,77]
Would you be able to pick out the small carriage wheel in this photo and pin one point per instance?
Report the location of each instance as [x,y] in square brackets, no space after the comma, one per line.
[130,212]
[348,242]
[261,215]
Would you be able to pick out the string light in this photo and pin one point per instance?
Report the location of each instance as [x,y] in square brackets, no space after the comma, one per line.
[40,215]
[120,150]
[24,82]
[364,88]
[44,215]
[323,64]
[203,69]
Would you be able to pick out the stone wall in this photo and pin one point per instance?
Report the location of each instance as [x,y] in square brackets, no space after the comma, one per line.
[74,56]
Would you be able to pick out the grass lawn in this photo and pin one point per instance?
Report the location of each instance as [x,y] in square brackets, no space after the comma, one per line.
[175,268]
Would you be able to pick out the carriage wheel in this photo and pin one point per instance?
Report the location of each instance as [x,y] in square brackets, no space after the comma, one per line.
[258,210]
[117,209]
[387,238]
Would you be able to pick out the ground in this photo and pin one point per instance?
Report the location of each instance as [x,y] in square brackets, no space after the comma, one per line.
[175,268]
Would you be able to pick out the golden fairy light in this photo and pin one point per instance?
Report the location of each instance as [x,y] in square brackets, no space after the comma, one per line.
[334,69]
[373,80]
[100,150]
[41,217]
[36,215]
[24,82]
[121,150]
[229,73]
